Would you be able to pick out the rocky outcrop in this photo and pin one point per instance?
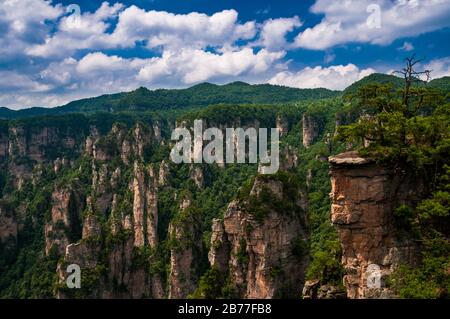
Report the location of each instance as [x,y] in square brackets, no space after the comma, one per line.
[121,142]
[152,216]
[185,253]
[63,227]
[38,141]
[196,174]
[138,205]
[262,258]
[91,225]
[101,187]
[134,278]
[339,120]
[8,224]
[289,158]
[142,137]
[157,131]
[282,126]
[17,142]
[314,290]
[364,196]
[23,147]
[116,266]
[145,208]
[310,129]
[4,145]
[106,219]
[33,143]
[163,173]
[119,276]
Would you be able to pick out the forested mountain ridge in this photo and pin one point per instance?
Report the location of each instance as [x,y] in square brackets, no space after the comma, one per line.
[397,82]
[199,95]
[206,94]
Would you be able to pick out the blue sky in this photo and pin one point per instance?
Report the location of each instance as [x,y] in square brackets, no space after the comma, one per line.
[50,55]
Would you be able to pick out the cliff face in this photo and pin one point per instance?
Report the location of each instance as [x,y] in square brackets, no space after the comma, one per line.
[186,251]
[104,217]
[64,224]
[310,129]
[22,147]
[263,258]
[364,196]
[8,225]
[120,220]
[145,208]
[282,126]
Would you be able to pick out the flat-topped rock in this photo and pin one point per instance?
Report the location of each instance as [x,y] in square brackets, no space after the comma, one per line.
[349,158]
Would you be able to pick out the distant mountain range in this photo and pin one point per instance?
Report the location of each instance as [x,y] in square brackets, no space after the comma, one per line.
[203,94]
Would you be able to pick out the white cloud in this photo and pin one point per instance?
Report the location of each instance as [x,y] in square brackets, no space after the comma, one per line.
[348,22]
[336,77]
[155,28]
[274,31]
[97,73]
[25,14]
[23,23]
[193,66]
[173,31]
[10,80]
[100,62]
[55,60]
[94,74]
[86,32]
[439,67]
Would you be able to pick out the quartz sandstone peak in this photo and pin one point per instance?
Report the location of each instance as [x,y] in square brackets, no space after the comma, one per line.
[364,196]
[258,255]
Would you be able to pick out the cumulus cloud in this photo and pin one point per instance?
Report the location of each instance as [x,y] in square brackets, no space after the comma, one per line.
[188,66]
[273,33]
[48,58]
[22,16]
[23,23]
[366,21]
[186,49]
[86,32]
[193,66]
[97,73]
[10,80]
[157,29]
[336,77]
[100,62]
[197,30]
[439,67]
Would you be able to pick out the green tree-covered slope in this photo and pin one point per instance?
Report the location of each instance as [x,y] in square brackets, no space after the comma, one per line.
[199,95]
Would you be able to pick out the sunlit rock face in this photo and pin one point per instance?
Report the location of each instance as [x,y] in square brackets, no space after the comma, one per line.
[364,196]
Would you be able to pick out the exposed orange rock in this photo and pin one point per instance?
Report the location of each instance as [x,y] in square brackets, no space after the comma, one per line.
[364,196]
[258,255]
